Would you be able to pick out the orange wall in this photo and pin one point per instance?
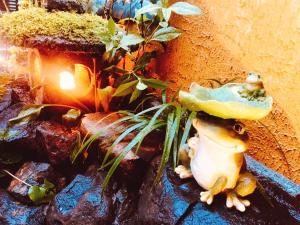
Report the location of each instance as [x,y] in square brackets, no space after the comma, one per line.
[234,37]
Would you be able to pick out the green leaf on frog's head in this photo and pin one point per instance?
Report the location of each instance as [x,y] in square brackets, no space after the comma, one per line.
[184,8]
[225,102]
[166,34]
[72,115]
[29,112]
[42,194]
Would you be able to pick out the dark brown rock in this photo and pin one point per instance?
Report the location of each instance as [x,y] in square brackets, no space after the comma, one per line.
[175,201]
[5,100]
[96,123]
[18,91]
[14,213]
[17,134]
[82,202]
[48,43]
[33,173]
[56,141]
[68,5]
[130,162]
[21,91]
[90,125]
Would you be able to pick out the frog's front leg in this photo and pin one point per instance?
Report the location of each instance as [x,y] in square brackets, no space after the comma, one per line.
[245,186]
[218,187]
[184,170]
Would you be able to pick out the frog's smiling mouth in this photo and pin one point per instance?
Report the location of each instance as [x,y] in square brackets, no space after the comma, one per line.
[221,137]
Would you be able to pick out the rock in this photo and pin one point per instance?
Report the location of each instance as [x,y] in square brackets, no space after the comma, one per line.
[175,201]
[24,134]
[67,5]
[130,162]
[17,96]
[82,202]
[57,44]
[56,141]
[21,91]
[125,207]
[282,190]
[94,123]
[168,201]
[14,213]
[5,100]
[90,125]
[33,173]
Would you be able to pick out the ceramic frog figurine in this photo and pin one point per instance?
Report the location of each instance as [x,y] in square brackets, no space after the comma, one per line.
[214,157]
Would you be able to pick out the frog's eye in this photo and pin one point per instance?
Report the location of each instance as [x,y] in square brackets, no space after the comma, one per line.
[239,128]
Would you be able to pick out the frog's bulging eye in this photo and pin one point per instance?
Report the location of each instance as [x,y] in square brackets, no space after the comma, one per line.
[239,128]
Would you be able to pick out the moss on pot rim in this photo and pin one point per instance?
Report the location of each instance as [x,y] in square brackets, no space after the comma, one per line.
[17,27]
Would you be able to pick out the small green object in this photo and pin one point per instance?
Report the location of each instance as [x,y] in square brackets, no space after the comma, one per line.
[72,115]
[42,194]
[29,113]
[225,102]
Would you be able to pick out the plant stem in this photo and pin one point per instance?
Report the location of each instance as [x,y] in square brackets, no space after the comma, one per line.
[5,5]
[10,174]
[95,86]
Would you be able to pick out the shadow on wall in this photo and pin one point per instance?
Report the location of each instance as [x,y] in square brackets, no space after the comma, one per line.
[232,38]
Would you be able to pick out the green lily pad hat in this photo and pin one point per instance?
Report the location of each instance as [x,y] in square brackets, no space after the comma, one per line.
[226,102]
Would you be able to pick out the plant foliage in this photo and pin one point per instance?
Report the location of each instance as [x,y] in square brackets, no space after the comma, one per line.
[170,117]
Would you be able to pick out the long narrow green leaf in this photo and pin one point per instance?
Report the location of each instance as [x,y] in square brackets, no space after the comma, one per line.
[86,144]
[187,129]
[178,115]
[170,134]
[148,129]
[120,138]
[149,110]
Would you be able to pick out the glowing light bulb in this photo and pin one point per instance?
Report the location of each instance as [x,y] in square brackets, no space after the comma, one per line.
[66,81]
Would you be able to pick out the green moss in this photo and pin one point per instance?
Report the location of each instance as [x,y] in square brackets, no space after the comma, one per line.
[16,27]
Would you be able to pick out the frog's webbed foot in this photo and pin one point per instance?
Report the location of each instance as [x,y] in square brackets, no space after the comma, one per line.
[208,196]
[239,203]
[183,172]
[246,185]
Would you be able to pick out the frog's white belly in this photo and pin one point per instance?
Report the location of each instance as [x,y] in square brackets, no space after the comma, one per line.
[213,161]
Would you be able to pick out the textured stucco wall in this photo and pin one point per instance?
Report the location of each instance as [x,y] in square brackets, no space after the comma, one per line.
[234,37]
